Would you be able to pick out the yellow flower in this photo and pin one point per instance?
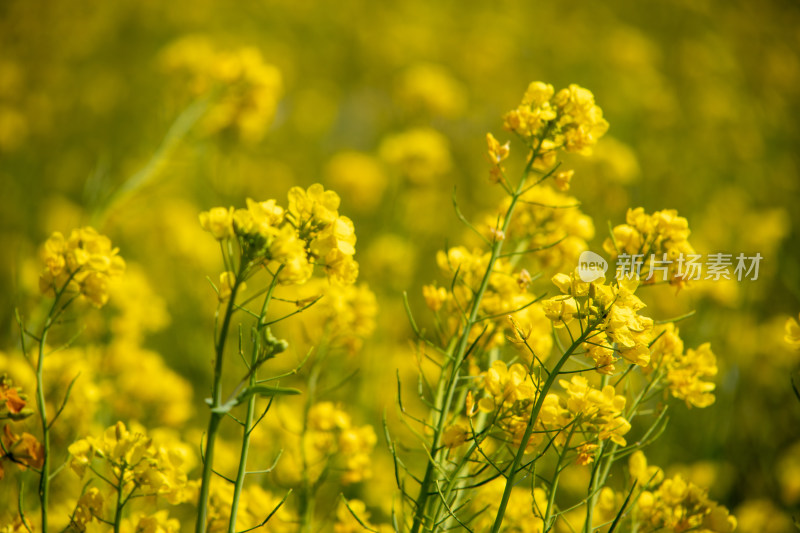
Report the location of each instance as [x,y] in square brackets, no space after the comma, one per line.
[497,152]
[89,507]
[523,512]
[255,504]
[606,507]
[434,296]
[533,114]
[81,452]
[355,447]
[506,385]
[646,476]
[685,374]
[331,435]
[586,454]
[662,236]
[288,250]
[218,221]
[325,416]
[341,267]
[265,216]
[550,221]
[84,263]
[562,179]
[142,463]
[580,120]
[678,505]
[560,310]
[247,88]
[600,410]
[603,354]
[314,206]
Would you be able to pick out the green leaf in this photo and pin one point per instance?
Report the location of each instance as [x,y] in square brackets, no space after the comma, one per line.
[266,391]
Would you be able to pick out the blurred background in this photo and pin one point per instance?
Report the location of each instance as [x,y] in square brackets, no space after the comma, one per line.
[388,103]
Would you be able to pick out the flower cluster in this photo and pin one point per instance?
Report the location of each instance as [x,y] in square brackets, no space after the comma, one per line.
[136,462]
[599,412]
[497,154]
[568,119]
[674,504]
[84,263]
[331,432]
[679,505]
[246,90]
[330,237]
[347,315]
[293,240]
[621,330]
[509,393]
[505,386]
[330,441]
[685,370]
[663,235]
[90,505]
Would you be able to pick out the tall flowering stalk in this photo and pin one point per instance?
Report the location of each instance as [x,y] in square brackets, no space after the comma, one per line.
[79,267]
[286,244]
[492,420]
[545,124]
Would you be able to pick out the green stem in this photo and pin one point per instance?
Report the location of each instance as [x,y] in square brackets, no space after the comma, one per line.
[456,471]
[242,472]
[120,504]
[251,407]
[422,499]
[202,504]
[216,402]
[531,422]
[595,481]
[44,477]
[44,474]
[592,491]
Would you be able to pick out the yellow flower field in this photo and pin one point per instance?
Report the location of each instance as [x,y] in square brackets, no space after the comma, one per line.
[399,267]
